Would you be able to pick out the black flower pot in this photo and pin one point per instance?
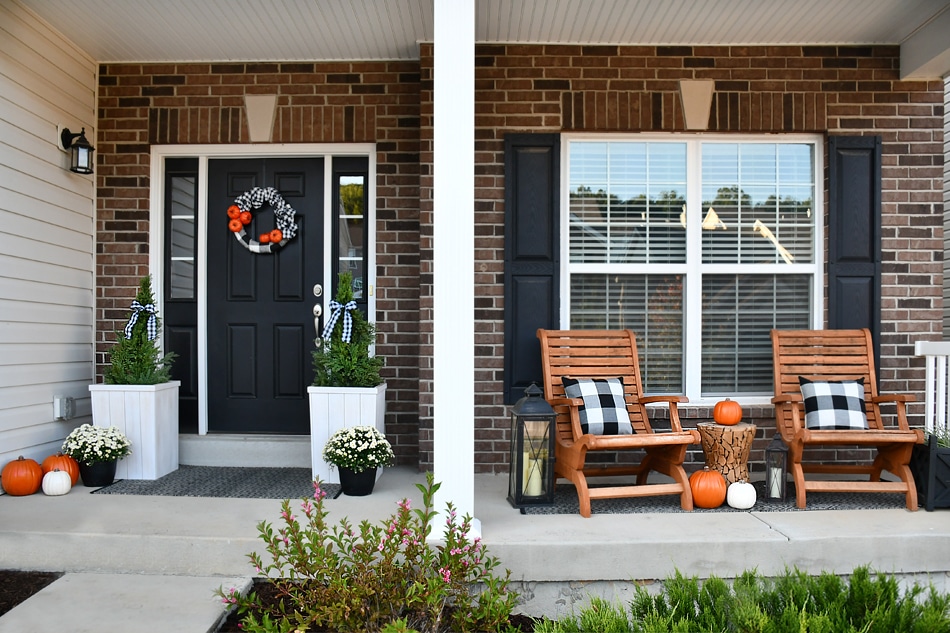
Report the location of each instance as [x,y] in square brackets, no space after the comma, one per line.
[357,484]
[930,465]
[97,475]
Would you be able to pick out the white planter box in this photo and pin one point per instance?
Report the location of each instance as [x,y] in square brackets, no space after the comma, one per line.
[335,408]
[148,415]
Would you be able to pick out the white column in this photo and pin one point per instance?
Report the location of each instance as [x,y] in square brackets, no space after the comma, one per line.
[453,254]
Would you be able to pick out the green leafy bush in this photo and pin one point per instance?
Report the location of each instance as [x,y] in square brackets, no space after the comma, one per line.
[792,603]
[341,363]
[385,577]
[135,358]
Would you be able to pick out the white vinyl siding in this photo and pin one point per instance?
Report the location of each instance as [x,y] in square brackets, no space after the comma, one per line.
[47,235]
[699,244]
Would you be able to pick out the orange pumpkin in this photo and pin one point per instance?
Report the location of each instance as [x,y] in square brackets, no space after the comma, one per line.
[276,235]
[21,477]
[235,225]
[727,412]
[264,238]
[246,217]
[64,463]
[708,487]
[234,211]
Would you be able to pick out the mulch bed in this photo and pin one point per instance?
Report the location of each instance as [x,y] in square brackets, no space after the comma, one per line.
[265,592]
[17,586]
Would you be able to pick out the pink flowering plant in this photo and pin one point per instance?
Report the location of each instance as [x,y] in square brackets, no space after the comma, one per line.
[375,578]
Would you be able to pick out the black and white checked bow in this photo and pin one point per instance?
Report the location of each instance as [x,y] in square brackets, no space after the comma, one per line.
[150,325]
[335,309]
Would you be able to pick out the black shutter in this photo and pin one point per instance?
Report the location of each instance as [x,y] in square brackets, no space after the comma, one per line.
[854,235]
[532,202]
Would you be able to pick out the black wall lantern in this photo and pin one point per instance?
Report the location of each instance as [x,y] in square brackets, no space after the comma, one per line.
[80,151]
[776,465]
[531,474]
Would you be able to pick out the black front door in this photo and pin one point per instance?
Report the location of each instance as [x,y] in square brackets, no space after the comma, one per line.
[260,305]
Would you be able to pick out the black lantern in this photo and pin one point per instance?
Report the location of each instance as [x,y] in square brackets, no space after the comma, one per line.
[776,465]
[80,151]
[531,475]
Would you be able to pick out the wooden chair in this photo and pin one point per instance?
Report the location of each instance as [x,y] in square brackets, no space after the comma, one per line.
[609,354]
[832,355]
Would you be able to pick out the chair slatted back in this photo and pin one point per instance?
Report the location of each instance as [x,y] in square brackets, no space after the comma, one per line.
[821,355]
[592,354]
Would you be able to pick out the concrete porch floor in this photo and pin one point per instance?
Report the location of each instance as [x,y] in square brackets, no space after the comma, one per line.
[165,545]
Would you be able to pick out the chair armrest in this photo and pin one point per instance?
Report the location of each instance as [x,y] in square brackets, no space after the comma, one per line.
[573,405]
[894,397]
[675,424]
[566,402]
[787,398]
[670,399]
[900,401]
[794,403]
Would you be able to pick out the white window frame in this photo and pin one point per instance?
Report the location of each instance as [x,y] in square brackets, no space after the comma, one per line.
[693,269]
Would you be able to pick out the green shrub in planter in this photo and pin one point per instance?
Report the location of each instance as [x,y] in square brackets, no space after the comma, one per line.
[341,363]
[135,358]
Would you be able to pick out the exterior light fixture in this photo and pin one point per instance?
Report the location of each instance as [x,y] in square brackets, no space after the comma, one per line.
[80,151]
[531,475]
[776,465]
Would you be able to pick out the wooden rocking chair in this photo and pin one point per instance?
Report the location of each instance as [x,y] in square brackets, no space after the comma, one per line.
[836,355]
[583,354]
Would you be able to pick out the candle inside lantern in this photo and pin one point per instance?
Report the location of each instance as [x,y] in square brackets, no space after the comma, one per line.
[532,483]
[775,482]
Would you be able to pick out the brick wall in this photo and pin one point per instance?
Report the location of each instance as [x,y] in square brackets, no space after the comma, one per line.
[759,89]
[145,104]
[523,88]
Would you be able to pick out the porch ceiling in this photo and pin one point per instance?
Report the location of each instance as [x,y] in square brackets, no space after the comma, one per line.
[290,30]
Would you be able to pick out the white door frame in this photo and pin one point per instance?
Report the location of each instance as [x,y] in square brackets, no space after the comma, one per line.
[203,153]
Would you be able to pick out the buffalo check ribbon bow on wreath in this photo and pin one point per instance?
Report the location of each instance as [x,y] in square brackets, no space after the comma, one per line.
[239,216]
[151,325]
[337,308]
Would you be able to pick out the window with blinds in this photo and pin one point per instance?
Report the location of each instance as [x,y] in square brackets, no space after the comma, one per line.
[701,247]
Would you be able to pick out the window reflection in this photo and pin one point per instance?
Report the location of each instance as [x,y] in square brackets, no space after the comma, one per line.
[181,227]
[352,230]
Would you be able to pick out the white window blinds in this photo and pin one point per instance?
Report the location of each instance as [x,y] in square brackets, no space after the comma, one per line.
[735,220]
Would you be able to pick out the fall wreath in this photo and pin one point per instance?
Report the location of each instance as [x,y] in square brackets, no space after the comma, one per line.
[240,215]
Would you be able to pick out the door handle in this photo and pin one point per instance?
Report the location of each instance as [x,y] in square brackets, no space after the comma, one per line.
[317,313]
[317,310]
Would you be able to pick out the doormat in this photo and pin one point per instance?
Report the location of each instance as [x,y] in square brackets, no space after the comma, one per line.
[225,482]
[565,502]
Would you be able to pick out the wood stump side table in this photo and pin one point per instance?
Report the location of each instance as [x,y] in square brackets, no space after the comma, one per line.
[727,448]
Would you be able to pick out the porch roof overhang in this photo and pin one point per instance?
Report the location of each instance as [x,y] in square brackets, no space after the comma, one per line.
[112,31]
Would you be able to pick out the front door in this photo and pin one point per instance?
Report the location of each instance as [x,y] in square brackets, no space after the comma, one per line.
[260,305]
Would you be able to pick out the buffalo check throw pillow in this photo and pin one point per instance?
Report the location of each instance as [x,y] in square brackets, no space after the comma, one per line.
[604,411]
[834,405]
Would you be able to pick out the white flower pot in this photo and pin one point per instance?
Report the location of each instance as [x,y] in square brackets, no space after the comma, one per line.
[148,416]
[335,408]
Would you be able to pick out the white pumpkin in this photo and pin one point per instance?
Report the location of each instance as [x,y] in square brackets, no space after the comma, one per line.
[740,495]
[57,482]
